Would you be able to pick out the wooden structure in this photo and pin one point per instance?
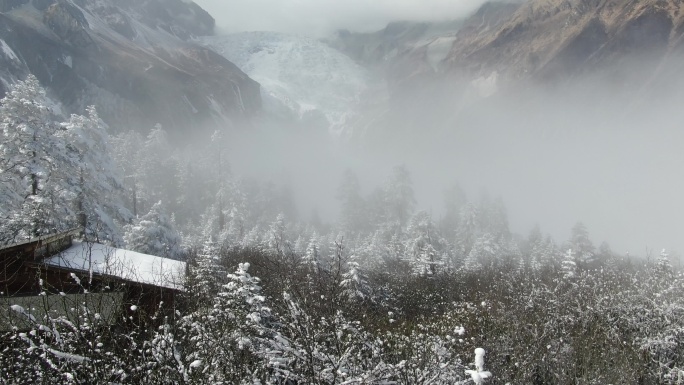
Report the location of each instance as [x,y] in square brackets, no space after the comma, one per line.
[18,261]
[26,279]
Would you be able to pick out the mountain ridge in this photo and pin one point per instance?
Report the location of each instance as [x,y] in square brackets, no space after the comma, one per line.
[569,34]
[139,70]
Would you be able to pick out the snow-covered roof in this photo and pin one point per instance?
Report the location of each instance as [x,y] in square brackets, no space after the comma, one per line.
[125,264]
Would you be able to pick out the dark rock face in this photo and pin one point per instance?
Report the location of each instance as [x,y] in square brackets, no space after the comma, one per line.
[129,58]
[649,31]
[68,23]
[177,17]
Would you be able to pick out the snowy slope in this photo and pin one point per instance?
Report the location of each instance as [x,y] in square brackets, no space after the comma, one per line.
[300,73]
[133,59]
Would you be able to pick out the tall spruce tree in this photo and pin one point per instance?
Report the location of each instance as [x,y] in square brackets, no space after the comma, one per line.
[99,186]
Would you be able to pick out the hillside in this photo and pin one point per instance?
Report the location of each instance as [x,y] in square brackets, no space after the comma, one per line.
[134,60]
[555,39]
[538,41]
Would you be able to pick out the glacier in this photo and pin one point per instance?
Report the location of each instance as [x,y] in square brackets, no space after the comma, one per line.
[297,74]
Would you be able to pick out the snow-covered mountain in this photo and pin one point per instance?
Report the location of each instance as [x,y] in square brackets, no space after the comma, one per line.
[133,59]
[604,55]
[298,75]
[532,41]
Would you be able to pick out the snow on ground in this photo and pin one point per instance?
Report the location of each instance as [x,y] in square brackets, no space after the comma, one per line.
[125,264]
[302,74]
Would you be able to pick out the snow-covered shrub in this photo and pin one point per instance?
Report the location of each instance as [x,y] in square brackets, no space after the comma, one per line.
[220,342]
[65,339]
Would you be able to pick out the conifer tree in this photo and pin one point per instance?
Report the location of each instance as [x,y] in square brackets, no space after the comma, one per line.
[663,265]
[98,205]
[581,245]
[277,241]
[155,234]
[354,283]
[424,245]
[568,265]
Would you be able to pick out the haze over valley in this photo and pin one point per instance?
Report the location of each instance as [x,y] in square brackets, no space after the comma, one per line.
[398,173]
[565,124]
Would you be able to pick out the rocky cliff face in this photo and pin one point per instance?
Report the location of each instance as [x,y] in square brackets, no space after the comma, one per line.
[560,38]
[135,60]
[601,53]
[535,40]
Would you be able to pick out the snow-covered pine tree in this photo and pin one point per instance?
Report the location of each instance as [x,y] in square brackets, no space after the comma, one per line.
[424,245]
[536,256]
[605,256]
[206,272]
[155,234]
[550,254]
[127,153]
[354,283]
[99,206]
[581,245]
[375,251]
[239,322]
[277,240]
[568,265]
[300,245]
[252,238]
[663,265]
[512,256]
[311,258]
[472,262]
[484,253]
[35,170]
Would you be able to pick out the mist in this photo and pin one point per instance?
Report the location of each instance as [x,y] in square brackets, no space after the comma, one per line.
[320,18]
[589,151]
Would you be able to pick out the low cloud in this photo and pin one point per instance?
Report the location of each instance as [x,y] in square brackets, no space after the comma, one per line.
[321,17]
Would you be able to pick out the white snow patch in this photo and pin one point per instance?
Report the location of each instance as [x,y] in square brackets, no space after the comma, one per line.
[196,364]
[124,264]
[302,74]
[7,51]
[67,356]
[19,309]
[68,61]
